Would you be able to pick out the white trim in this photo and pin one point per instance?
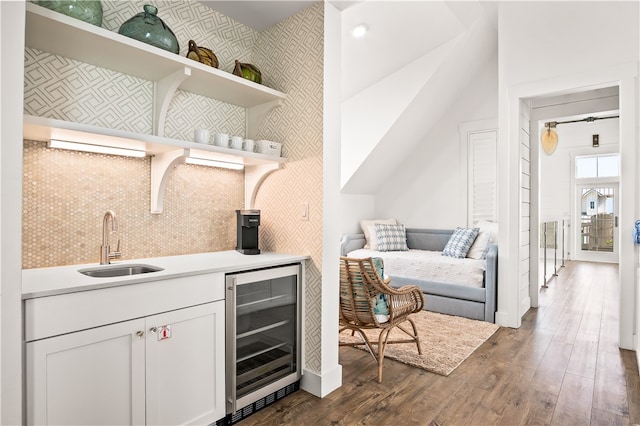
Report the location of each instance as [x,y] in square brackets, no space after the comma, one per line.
[329,293]
[525,304]
[465,131]
[628,258]
[12,33]
[322,385]
[623,75]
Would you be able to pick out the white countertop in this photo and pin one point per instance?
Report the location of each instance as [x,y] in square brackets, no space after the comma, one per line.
[41,282]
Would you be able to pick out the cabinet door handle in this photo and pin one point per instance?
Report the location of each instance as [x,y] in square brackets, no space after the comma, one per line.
[154,330]
[140,334]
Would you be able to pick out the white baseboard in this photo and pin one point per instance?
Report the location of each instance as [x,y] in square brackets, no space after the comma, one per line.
[503,319]
[636,345]
[525,305]
[321,385]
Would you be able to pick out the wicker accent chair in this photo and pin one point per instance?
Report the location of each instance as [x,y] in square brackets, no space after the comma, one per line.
[360,286]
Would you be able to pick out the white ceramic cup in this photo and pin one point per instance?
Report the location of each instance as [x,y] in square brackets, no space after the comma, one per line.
[236,142]
[249,145]
[201,136]
[221,139]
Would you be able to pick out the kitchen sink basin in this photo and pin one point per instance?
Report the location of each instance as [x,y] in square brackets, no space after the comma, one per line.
[109,271]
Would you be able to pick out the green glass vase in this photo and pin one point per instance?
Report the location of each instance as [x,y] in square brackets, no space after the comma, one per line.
[148,28]
[85,10]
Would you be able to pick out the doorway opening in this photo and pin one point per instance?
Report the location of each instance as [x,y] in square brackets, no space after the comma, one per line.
[564,185]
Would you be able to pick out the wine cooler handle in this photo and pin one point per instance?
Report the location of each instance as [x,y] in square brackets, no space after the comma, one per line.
[231,343]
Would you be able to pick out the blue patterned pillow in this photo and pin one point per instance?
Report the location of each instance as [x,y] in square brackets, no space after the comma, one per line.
[460,242]
[380,304]
[391,237]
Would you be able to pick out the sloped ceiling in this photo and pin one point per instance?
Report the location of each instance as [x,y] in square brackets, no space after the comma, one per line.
[399,33]
[261,14]
[399,79]
[387,111]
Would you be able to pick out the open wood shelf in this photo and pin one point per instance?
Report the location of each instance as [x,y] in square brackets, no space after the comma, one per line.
[53,32]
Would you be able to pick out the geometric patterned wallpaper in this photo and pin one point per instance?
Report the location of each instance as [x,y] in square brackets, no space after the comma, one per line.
[64,192]
[64,89]
[290,55]
[190,20]
[57,87]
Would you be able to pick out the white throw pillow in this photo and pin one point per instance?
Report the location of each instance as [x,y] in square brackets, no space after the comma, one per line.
[373,238]
[365,224]
[479,248]
[490,227]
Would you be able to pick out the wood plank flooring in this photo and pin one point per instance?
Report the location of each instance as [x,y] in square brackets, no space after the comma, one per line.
[563,366]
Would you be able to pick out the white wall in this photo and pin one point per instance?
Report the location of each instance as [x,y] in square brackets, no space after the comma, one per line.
[353,209]
[429,189]
[551,47]
[556,169]
[330,377]
[548,39]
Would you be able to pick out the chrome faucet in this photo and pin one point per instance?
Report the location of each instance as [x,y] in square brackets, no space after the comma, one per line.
[105,250]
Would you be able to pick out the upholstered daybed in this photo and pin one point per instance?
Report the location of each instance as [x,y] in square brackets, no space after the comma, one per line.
[470,293]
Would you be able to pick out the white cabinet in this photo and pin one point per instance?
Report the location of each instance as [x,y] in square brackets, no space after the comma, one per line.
[88,377]
[163,369]
[185,366]
[146,353]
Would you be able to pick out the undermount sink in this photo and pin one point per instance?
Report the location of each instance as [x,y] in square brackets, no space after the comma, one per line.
[109,271]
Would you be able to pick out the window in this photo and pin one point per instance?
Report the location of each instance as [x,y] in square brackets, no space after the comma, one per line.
[592,204]
[598,166]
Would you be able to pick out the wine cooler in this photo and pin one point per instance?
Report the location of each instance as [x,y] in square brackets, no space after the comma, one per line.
[263,333]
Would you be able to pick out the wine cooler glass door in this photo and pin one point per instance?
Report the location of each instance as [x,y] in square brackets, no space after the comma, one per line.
[265,339]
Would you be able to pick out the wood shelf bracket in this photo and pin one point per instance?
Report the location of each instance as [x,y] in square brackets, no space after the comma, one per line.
[256,114]
[161,165]
[162,95]
[253,178]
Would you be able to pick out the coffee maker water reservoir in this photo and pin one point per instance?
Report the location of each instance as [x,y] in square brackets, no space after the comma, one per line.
[248,222]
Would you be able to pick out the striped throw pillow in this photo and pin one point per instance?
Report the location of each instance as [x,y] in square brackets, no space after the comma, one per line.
[391,237]
[460,242]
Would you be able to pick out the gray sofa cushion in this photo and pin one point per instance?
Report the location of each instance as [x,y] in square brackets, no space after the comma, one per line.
[428,239]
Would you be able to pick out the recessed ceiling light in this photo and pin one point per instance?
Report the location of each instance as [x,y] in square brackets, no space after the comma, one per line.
[359,30]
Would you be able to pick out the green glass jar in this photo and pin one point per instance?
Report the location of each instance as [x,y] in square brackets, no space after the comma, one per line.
[85,10]
[148,28]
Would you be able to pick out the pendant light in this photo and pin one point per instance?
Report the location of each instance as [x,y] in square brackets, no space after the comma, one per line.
[549,138]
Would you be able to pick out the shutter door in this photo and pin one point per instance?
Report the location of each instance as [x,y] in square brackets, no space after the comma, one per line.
[482,177]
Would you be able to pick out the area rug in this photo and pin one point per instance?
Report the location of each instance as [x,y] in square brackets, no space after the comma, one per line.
[446,341]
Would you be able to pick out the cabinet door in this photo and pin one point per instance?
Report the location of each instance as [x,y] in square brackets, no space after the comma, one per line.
[91,377]
[185,365]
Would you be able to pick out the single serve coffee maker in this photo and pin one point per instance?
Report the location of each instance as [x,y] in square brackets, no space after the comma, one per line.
[248,222]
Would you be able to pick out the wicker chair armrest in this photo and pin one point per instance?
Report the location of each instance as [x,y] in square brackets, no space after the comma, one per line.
[405,300]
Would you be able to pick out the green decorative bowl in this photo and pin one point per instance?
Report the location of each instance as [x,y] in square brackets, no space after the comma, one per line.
[248,71]
[85,10]
[148,28]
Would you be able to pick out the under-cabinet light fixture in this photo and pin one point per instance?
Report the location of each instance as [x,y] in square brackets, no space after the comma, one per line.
[98,149]
[213,163]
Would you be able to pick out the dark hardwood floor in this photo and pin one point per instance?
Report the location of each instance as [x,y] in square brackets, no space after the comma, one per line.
[563,366]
